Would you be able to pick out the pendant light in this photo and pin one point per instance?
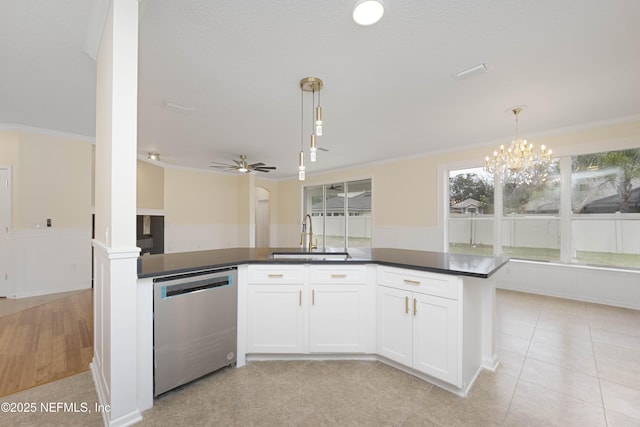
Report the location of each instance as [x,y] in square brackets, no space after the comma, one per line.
[519,161]
[313,85]
[301,167]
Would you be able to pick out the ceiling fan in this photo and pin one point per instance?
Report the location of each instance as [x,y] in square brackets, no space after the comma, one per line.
[242,166]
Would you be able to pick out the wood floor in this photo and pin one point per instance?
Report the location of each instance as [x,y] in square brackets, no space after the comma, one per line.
[47,342]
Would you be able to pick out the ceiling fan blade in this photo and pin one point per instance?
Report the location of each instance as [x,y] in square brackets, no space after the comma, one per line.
[222,166]
[323,149]
[256,165]
[265,169]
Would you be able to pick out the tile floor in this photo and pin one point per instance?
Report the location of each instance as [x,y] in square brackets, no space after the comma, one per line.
[563,363]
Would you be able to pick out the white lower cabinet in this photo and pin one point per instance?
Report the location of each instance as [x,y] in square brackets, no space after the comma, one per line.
[337,319]
[275,321]
[308,308]
[276,306]
[410,317]
[419,330]
[341,309]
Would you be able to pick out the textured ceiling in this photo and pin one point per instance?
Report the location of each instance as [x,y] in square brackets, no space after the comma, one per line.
[390,89]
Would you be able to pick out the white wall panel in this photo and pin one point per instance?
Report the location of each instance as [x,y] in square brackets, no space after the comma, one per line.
[50,260]
[599,285]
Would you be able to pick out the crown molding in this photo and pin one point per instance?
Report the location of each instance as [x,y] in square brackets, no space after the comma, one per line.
[17,127]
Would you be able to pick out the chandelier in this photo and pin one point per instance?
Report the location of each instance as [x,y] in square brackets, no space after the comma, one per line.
[519,161]
[313,85]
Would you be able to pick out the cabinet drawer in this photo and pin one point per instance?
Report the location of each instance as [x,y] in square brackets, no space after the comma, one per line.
[441,285]
[320,274]
[281,274]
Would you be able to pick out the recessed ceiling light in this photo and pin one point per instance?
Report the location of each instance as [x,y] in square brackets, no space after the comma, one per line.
[367,12]
[153,156]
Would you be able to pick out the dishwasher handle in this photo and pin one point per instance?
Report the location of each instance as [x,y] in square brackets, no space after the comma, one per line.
[172,290]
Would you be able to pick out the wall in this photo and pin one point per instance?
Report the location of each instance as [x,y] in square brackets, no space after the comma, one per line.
[51,178]
[408,197]
[201,210]
[150,187]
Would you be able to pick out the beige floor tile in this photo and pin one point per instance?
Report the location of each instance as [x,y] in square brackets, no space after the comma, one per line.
[517,329]
[512,343]
[575,357]
[510,362]
[616,372]
[615,338]
[560,340]
[564,325]
[628,357]
[537,406]
[561,380]
[615,419]
[621,399]
[524,316]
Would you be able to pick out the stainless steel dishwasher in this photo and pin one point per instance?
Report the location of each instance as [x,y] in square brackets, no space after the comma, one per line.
[194,326]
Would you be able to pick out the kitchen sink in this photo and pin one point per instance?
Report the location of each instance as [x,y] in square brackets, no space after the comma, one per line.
[316,256]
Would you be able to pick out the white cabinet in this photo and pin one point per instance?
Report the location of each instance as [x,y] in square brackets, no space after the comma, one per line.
[416,328]
[309,308]
[276,301]
[338,310]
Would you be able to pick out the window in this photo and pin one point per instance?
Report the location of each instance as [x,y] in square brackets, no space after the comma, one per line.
[471,211]
[341,214]
[530,216]
[599,221]
[605,207]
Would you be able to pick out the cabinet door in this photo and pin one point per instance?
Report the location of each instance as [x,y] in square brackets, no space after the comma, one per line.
[435,337]
[337,319]
[394,328]
[275,321]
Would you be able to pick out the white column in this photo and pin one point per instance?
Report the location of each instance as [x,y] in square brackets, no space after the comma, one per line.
[115,362]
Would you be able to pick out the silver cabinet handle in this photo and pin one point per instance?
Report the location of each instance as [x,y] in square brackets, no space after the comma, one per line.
[275,276]
[338,276]
[411,282]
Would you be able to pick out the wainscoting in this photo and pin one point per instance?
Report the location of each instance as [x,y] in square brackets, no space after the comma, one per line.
[591,284]
[49,260]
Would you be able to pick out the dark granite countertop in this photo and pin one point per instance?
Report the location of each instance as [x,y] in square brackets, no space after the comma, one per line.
[435,262]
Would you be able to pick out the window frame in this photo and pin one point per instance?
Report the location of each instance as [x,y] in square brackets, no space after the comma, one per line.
[566,216]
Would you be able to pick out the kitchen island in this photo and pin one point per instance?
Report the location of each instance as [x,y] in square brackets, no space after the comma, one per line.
[430,314]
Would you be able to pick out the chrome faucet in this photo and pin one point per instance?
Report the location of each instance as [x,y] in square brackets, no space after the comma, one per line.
[304,235]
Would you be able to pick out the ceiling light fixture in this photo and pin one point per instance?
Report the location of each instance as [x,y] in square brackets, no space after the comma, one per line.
[153,156]
[301,167]
[519,162]
[243,164]
[367,12]
[313,85]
